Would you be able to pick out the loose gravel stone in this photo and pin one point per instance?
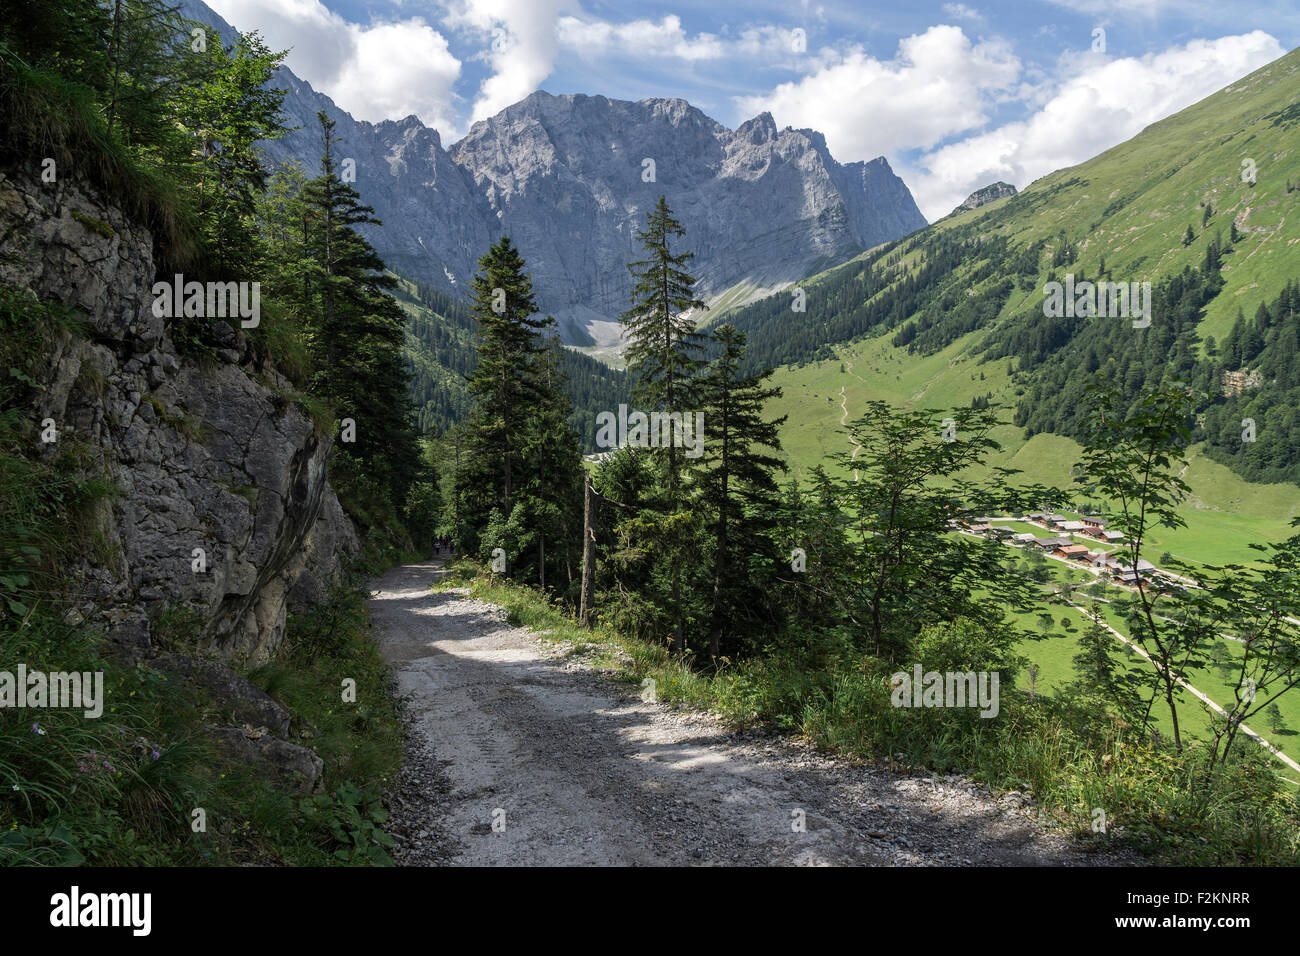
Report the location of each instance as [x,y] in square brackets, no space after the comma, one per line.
[519,754]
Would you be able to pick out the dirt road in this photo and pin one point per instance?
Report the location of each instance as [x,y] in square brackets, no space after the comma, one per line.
[521,756]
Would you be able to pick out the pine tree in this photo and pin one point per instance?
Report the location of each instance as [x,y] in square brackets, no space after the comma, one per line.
[146,64]
[662,351]
[504,383]
[359,329]
[227,115]
[1101,675]
[662,355]
[549,484]
[738,487]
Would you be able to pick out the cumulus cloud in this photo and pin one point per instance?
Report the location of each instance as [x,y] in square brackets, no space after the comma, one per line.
[938,84]
[1103,103]
[384,70]
[522,45]
[648,38]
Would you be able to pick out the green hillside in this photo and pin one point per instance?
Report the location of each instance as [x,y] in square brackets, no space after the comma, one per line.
[954,313]
[953,317]
[1224,515]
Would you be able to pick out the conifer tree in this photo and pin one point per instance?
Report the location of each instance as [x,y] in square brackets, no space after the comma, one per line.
[227,115]
[549,484]
[663,349]
[359,329]
[504,382]
[663,358]
[738,487]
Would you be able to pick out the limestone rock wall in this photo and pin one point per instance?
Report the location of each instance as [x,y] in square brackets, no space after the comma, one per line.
[205,453]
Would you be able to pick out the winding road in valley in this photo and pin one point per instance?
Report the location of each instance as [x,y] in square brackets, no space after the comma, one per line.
[520,753]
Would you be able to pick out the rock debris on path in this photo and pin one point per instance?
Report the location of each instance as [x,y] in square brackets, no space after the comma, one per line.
[521,755]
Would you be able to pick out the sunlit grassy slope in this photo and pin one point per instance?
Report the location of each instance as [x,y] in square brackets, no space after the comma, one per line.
[1130,205]
[1224,515]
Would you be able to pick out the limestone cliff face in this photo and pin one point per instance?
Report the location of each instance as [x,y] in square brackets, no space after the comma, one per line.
[985,195]
[565,178]
[570,179]
[205,454]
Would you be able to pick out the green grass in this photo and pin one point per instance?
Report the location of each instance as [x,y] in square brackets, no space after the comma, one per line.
[1224,514]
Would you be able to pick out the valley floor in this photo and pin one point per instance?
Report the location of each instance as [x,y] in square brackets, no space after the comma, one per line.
[578,769]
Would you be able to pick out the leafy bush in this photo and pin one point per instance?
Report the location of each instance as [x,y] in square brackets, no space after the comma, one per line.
[353,818]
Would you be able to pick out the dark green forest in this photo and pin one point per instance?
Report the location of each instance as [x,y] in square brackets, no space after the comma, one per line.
[442,358]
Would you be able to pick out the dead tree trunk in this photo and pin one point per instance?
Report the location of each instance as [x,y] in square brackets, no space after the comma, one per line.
[589,519]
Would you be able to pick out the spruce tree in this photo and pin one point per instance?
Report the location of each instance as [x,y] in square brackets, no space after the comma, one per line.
[738,487]
[227,116]
[549,483]
[503,384]
[663,349]
[662,355]
[359,329]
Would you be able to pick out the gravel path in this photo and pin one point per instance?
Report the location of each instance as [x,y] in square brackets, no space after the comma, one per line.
[521,755]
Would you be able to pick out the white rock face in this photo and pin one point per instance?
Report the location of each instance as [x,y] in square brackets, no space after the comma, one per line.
[566,177]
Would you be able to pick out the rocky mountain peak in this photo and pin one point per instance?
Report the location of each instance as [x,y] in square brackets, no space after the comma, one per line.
[986,194]
[760,129]
[570,178]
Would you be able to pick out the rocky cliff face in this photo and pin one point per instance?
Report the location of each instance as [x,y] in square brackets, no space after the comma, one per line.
[570,179]
[206,456]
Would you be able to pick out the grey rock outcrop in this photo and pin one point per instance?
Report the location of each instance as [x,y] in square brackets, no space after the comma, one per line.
[205,455]
[298,767]
[985,195]
[244,700]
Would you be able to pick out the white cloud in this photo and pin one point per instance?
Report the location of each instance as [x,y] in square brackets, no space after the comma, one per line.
[644,38]
[960,11]
[523,44]
[1104,103]
[938,84]
[384,70]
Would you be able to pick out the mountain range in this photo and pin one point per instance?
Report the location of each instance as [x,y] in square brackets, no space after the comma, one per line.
[570,178]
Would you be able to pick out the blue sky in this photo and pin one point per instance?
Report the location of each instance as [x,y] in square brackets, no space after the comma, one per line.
[955,95]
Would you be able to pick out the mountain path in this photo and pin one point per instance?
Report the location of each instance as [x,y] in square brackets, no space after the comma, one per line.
[576,768]
[1198,694]
[844,407]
